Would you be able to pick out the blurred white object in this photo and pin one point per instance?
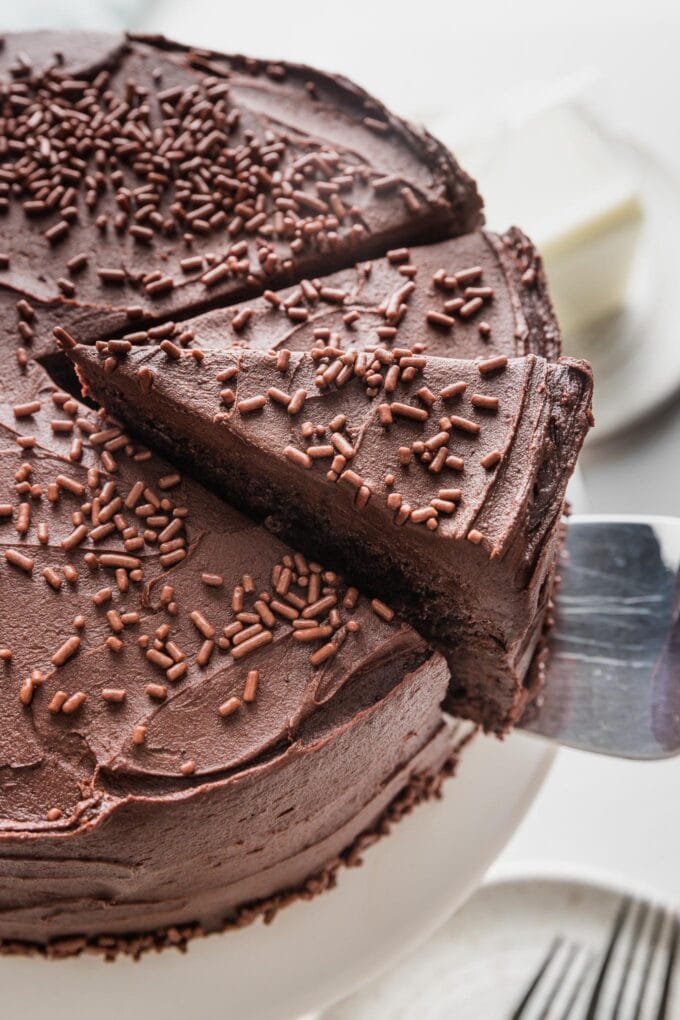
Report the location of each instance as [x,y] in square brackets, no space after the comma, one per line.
[555,173]
[105,15]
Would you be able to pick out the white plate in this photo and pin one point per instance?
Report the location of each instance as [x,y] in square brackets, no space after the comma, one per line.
[481,963]
[636,354]
[316,952]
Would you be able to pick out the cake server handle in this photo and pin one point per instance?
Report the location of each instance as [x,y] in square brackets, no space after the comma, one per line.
[613,674]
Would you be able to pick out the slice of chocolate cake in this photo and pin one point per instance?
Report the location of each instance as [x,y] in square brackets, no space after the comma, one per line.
[199,724]
[438,484]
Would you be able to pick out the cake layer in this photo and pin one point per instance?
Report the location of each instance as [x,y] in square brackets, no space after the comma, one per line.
[187,704]
[143,178]
[438,484]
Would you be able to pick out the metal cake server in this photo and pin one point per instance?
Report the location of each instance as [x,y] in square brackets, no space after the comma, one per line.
[613,683]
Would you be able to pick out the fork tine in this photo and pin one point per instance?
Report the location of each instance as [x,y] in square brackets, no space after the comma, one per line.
[617,928]
[556,985]
[520,1010]
[559,981]
[670,967]
[572,977]
[569,1009]
[642,913]
[649,959]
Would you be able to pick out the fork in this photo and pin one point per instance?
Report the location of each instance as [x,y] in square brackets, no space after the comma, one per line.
[635,971]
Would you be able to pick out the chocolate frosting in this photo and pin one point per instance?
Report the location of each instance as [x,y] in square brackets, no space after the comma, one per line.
[514,318]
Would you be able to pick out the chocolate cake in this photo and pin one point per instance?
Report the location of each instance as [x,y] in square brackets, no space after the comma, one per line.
[201,721]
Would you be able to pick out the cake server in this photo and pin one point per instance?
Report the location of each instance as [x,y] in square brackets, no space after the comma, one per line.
[613,679]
